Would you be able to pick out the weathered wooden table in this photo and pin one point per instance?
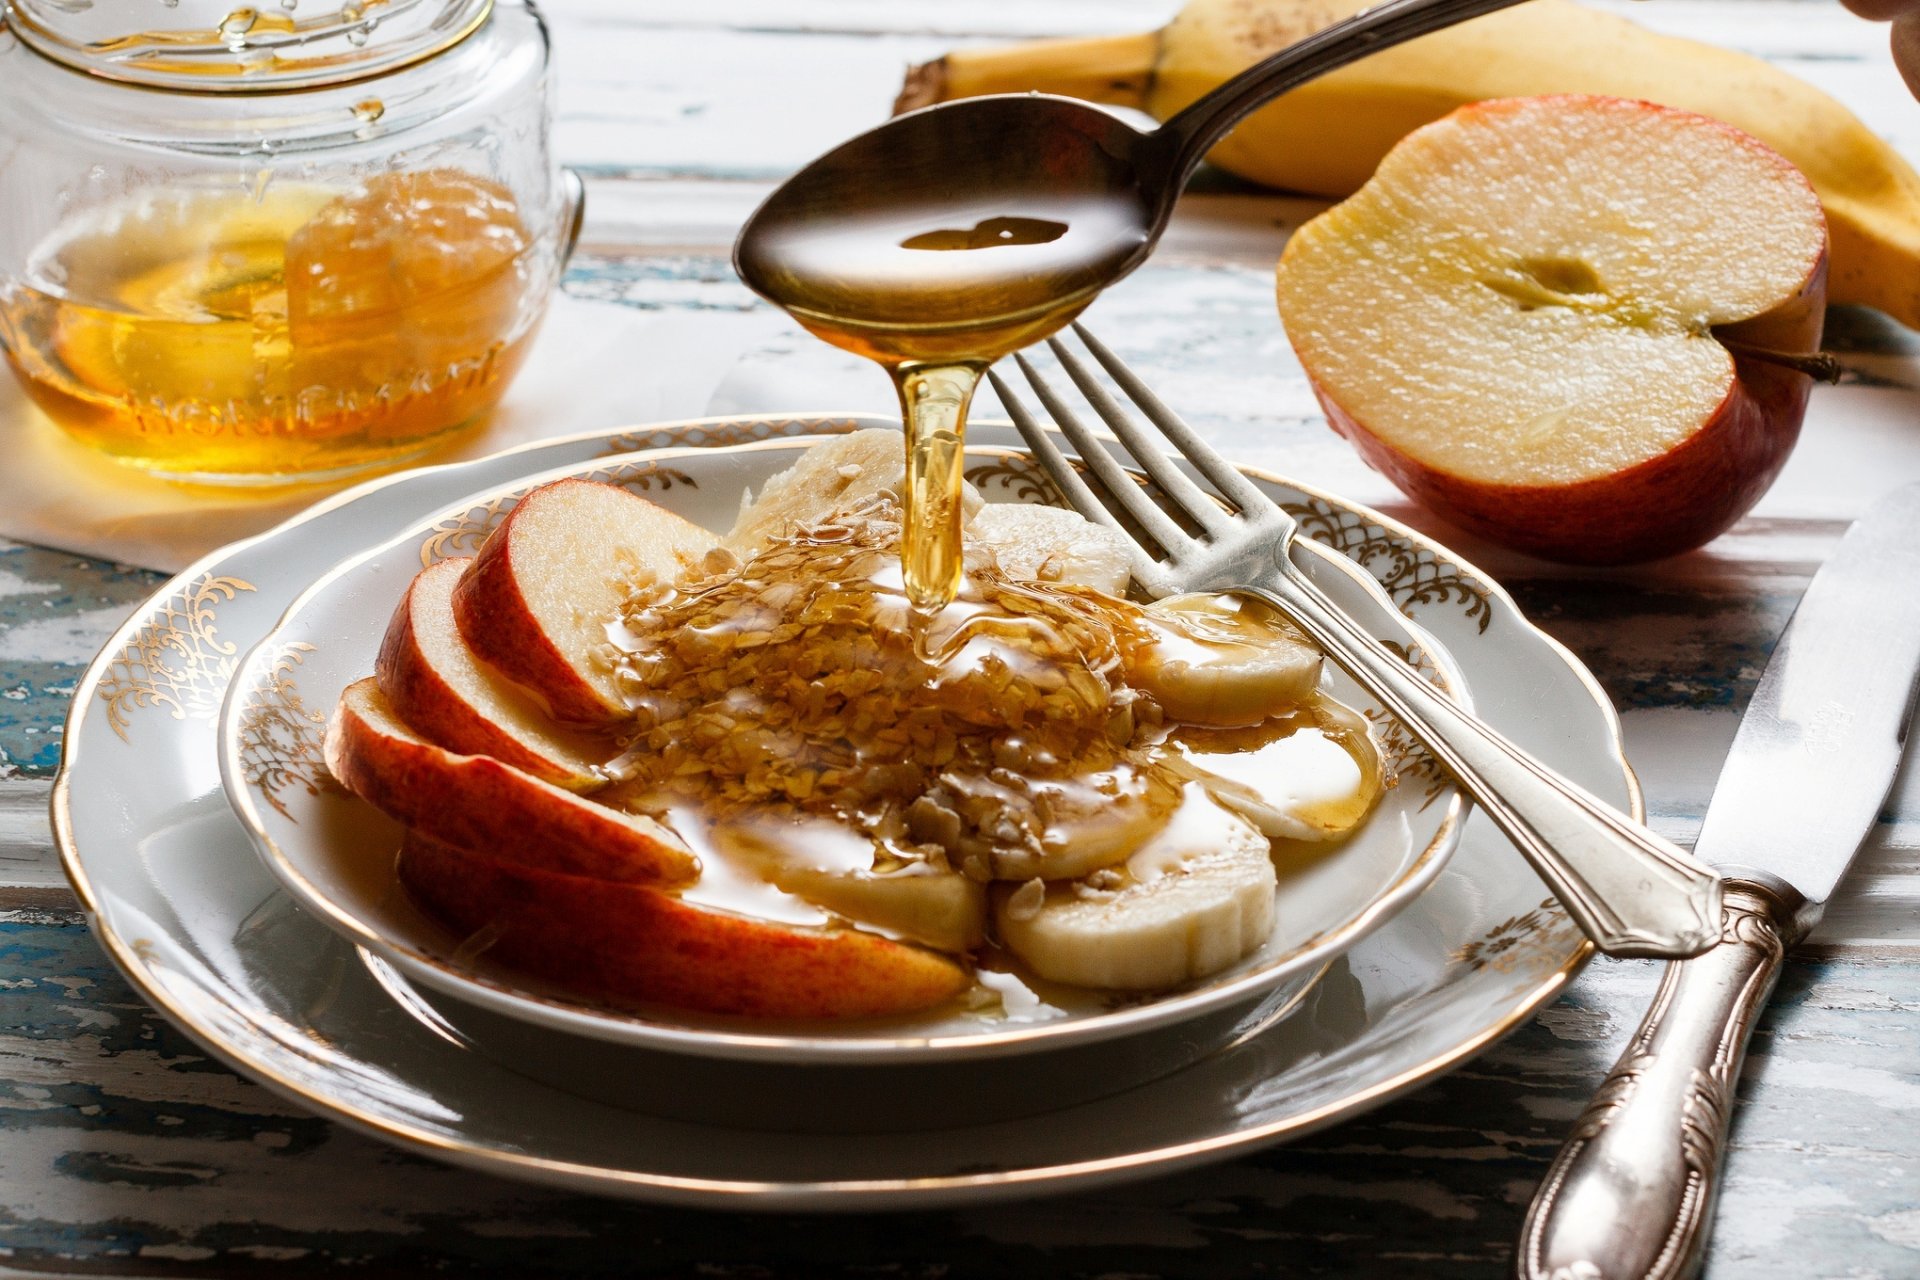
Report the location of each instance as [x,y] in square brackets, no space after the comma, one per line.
[124,1151]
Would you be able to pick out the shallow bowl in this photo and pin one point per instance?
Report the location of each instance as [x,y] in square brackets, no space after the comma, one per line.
[335,854]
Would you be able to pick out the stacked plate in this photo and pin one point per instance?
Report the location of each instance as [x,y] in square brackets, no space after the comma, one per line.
[249,898]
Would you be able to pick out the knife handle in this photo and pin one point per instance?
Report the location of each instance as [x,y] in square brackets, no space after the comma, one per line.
[1630,1195]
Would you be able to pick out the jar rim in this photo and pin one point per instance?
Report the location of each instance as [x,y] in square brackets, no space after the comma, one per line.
[247,50]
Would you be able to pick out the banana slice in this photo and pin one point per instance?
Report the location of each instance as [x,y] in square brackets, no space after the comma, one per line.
[831,866]
[1059,828]
[1050,544]
[1306,777]
[1193,900]
[1225,660]
[827,479]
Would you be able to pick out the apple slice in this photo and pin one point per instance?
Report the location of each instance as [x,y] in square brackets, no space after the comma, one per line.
[536,603]
[444,694]
[478,802]
[627,943]
[1540,319]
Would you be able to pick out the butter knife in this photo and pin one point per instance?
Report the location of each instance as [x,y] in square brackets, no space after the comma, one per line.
[1630,1196]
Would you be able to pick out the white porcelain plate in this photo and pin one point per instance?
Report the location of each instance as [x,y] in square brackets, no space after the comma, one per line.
[335,854]
[197,923]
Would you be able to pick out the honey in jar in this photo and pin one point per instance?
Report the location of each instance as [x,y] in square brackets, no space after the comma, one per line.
[279,330]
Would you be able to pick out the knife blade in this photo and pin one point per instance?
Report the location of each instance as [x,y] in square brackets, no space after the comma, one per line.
[1829,718]
[1631,1194]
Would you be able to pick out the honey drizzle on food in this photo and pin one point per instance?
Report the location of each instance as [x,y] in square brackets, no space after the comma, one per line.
[800,699]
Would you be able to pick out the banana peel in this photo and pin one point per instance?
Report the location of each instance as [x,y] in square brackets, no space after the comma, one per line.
[1326,137]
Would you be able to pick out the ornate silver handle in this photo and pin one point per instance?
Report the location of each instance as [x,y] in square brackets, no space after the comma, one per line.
[1632,892]
[1630,1196]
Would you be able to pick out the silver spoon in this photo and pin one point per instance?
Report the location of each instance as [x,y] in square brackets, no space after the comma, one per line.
[1066,198]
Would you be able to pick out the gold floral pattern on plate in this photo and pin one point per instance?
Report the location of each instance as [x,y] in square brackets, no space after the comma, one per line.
[1518,942]
[281,738]
[461,534]
[1411,575]
[1406,759]
[718,434]
[177,660]
[1019,477]
[642,477]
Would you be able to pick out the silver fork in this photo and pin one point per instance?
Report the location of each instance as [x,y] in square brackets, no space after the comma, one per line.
[1633,893]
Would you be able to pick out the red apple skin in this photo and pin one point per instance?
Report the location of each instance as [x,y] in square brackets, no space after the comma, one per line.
[476,801]
[504,634]
[627,944]
[431,704]
[503,631]
[1666,505]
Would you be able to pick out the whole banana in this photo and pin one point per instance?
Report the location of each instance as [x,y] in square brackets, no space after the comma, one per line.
[1326,137]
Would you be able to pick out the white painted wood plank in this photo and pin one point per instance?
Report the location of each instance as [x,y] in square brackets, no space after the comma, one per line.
[27,857]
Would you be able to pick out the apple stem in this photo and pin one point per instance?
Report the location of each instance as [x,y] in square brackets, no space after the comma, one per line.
[1818,365]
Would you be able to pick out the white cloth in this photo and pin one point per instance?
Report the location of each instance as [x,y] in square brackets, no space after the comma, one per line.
[594,366]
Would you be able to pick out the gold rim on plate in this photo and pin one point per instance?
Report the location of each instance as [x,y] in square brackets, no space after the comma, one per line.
[850,1193]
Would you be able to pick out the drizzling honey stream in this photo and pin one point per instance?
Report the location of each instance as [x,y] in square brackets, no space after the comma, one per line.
[935,294]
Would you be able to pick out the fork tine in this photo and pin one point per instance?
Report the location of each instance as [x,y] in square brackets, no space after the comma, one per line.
[1076,490]
[1119,486]
[1235,487]
[1194,502]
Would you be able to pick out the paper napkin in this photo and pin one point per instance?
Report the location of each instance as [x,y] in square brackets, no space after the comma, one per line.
[594,366]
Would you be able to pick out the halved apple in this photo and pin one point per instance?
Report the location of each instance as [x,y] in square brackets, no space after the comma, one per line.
[537,601]
[477,802]
[627,943]
[1561,322]
[447,696]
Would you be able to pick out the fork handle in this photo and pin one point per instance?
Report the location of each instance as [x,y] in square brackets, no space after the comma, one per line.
[1632,892]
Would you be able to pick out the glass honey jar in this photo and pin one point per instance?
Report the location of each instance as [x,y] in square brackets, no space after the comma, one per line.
[248,245]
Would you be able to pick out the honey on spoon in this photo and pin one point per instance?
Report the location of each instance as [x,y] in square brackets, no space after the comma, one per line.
[951,236]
